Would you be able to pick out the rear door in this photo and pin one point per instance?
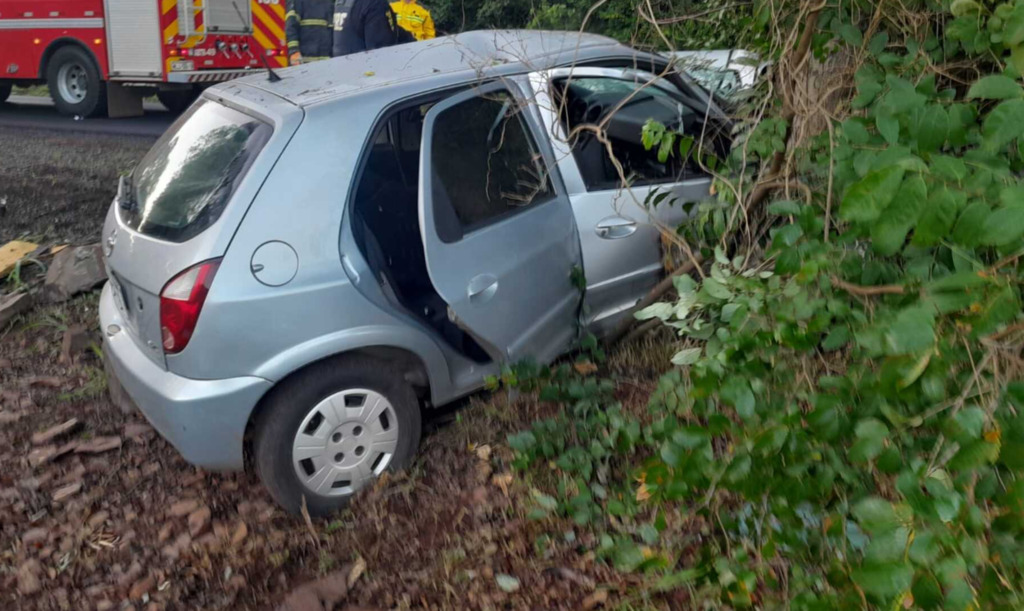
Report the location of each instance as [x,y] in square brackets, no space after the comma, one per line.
[620,228]
[498,231]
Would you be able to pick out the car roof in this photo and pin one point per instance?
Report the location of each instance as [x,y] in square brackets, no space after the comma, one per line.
[475,55]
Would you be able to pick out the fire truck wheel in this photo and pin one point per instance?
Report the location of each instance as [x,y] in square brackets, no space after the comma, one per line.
[177,100]
[75,83]
[5,91]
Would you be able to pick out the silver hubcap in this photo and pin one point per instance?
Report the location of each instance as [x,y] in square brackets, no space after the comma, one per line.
[72,82]
[348,439]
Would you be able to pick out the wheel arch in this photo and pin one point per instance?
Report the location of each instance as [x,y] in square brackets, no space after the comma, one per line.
[412,365]
[65,41]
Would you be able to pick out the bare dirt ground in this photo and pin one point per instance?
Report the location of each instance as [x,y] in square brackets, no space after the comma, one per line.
[105,515]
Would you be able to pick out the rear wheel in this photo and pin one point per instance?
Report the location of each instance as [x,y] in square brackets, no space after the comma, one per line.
[75,83]
[5,91]
[177,100]
[333,429]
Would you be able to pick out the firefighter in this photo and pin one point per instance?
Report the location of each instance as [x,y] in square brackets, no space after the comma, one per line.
[308,28]
[363,25]
[415,18]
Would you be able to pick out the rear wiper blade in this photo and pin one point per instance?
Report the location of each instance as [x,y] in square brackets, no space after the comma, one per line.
[125,193]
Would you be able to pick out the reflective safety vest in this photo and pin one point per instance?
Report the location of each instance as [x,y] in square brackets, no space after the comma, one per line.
[415,19]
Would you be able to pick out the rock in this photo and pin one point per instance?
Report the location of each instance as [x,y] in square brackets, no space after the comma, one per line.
[77,340]
[165,532]
[12,306]
[141,587]
[241,532]
[34,536]
[104,605]
[173,551]
[507,583]
[73,271]
[198,521]
[44,437]
[67,492]
[98,445]
[28,577]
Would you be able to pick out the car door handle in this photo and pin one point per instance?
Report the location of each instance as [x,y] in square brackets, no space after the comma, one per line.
[615,227]
[481,288]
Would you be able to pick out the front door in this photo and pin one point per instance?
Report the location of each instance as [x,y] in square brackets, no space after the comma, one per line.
[620,228]
[498,231]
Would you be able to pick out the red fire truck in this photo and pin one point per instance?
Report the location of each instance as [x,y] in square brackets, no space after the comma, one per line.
[99,56]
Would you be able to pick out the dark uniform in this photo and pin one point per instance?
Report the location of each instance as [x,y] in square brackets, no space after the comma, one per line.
[308,28]
[362,25]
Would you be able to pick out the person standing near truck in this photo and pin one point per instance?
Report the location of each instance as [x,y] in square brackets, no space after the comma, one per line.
[308,28]
[364,25]
[414,18]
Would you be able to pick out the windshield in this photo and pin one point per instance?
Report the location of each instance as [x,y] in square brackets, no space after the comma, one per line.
[183,184]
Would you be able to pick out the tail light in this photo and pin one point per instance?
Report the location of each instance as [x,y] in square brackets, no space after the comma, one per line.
[181,301]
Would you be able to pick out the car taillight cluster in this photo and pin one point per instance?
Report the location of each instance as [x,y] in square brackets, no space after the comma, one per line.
[181,301]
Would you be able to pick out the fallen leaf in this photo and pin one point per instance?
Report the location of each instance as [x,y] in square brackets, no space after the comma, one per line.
[66,492]
[357,570]
[369,73]
[507,583]
[44,437]
[597,599]
[11,253]
[483,452]
[58,248]
[584,367]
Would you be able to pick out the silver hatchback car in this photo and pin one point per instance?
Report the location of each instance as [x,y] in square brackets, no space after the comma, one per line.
[298,267]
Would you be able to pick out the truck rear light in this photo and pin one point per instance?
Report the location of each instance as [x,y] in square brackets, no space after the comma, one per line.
[181,301]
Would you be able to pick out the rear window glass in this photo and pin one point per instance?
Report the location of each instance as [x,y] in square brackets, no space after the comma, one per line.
[184,182]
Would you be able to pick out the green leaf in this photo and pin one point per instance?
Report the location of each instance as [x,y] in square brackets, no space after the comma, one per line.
[716,289]
[950,168]
[877,515]
[838,337]
[959,8]
[974,455]
[890,231]
[926,591]
[784,208]
[912,332]
[1003,226]
[850,34]
[932,128]
[687,356]
[866,199]
[1013,27]
[970,226]
[871,435]
[995,87]
[1003,124]
[878,42]
[737,392]
[884,581]
[938,216]
[889,127]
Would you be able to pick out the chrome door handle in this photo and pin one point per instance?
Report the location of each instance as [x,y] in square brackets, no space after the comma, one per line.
[481,288]
[615,227]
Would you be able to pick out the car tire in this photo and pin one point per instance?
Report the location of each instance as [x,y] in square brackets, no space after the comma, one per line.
[75,83]
[305,448]
[5,91]
[177,100]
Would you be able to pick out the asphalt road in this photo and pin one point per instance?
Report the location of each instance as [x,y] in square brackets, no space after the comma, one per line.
[39,113]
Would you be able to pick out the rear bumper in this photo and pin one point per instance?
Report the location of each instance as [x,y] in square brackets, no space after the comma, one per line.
[204,420]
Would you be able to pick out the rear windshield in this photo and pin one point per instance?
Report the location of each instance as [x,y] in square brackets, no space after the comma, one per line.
[184,182]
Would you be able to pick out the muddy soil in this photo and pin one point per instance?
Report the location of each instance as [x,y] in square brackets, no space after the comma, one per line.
[99,512]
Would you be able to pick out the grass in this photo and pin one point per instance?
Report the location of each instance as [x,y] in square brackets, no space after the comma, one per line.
[36,91]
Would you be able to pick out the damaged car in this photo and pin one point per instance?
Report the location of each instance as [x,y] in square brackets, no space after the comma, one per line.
[305,262]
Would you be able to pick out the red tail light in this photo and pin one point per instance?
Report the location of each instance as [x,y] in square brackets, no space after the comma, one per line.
[181,301]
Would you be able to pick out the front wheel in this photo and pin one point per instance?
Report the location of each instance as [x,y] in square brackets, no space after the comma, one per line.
[333,429]
[75,83]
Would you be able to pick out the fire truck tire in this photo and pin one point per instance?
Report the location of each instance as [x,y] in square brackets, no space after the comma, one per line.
[177,100]
[5,91]
[75,83]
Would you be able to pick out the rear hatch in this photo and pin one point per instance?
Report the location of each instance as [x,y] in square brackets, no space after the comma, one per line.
[182,203]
